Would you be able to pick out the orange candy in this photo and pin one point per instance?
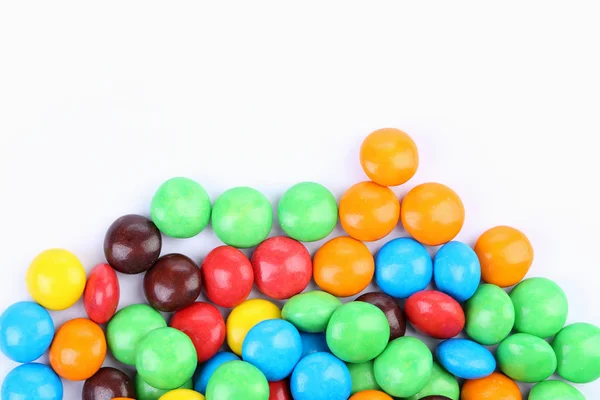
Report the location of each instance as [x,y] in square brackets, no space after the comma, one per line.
[389,157]
[432,213]
[505,255]
[369,211]
[343,266]
[494,387]
[78,349]
[370,395]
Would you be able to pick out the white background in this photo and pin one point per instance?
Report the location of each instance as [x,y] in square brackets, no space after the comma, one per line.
[101,102]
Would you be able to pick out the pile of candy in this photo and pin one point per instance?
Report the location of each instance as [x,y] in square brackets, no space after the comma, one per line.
[315,347]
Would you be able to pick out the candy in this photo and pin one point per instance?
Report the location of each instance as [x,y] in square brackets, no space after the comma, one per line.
[205,371]
[465,359]
[274,347]
[357,332]
[244,317]
[32,382]
[369,211]
[441,384]
[493,387]
[282,267]
[180,208]
[370,395]
[128,327]
[490,315]
[55,279]
[362,376]
[242,217]
[320,376]
[106,384]
[554,390]
[390,308]
[280,390]
[577,348]
[173,282]
[432,213]
[541,307]
[147,392]
[505,255]
[227,276]
[313,343]
[404,367]
[307,212]
[435,398]
[526,358]
[389,157]
[343,266]
[456,270]
[237,380]
[26,331]
[310,311]
[435,314]
[204,325]
[403,267]
[101,294]
[132,244]
[182,394]
[78,349]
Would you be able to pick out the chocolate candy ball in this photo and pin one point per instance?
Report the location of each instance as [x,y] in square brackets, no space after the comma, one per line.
[310,311]
[320,376]
[362,376]
[490,315]
[227,276]
[465,359]
[106,384]
[32,381]
[555,390]
[390,308]
[237,380]
[132,244]
[441,385]
[174,282]
[577,348]
[526,358]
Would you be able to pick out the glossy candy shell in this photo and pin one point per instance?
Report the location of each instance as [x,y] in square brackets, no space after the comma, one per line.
[106,384]
[370,395]
[320,376]
[313,343]
[310,311]
[435,314]
[237,380]
[441,383]
[554,390]
[147,392]
[101,294]
[526,358]
[244,317]
[456,270]
[206,370]
[280,390]
[182,394]
[494,387]
[363,376]
[390,308]
[227,276]
[465,359]
[577,348]
[32,382]
[490,315]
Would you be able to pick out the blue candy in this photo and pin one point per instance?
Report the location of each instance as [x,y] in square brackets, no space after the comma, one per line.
[32,382]
[274,347]
[465,358]
[207,369]
[321,376]
[403,267]
[456,270]
[313,343]
[26,331]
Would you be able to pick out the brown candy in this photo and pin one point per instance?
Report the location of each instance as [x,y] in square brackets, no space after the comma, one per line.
[132,244]
[390,308]
[172,283]
[107,384]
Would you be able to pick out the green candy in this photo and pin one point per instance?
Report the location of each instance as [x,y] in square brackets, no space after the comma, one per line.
[555,390]
[128,327]
[147,392]
[180,208]
[166,358]
[363,376]
[242,217]
[441,383]
[310,311]
[307,212]
[237,380]
[404,368]
[577,348]
[490,315]
[541,307]
[526,358]
[357,332]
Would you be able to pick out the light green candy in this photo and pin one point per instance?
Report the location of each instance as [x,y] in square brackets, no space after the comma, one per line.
[237,380]
[555,390]
[490,315]
[441,383]
[577,348]
[526,358]
[362,376]
[310,311]
[147,392]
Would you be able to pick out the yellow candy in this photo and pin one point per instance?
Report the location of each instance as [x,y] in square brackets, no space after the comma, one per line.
[244,317]
[182,394]
[56,279]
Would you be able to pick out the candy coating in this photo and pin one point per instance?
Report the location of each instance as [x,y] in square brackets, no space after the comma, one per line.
[227,276]
[280,390]
[32,382]
[554,390]
[237,380]
[577,348]
[493,387]
[435,314]
[390,308]
[370,395]
[456,270]
[313,343]
[465,359]
[441,384]
[526,358]
[106,384]
[362,376]
[101,294]
[243,317]
[147,392]
[490,315]
[320,376]
[182,394]
[310,311]
[206,370]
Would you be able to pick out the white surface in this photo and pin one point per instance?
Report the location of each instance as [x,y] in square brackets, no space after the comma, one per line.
[101,102]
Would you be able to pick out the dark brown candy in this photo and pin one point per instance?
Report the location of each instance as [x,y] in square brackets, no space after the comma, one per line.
[106,384]
[172,283]
[435,398]
[390,308]
[132,244]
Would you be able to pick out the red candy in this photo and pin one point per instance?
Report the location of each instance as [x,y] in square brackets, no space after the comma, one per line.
[102,293]
[280,390]
[282,267]
[435,314]
[228,276]
[203,323]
